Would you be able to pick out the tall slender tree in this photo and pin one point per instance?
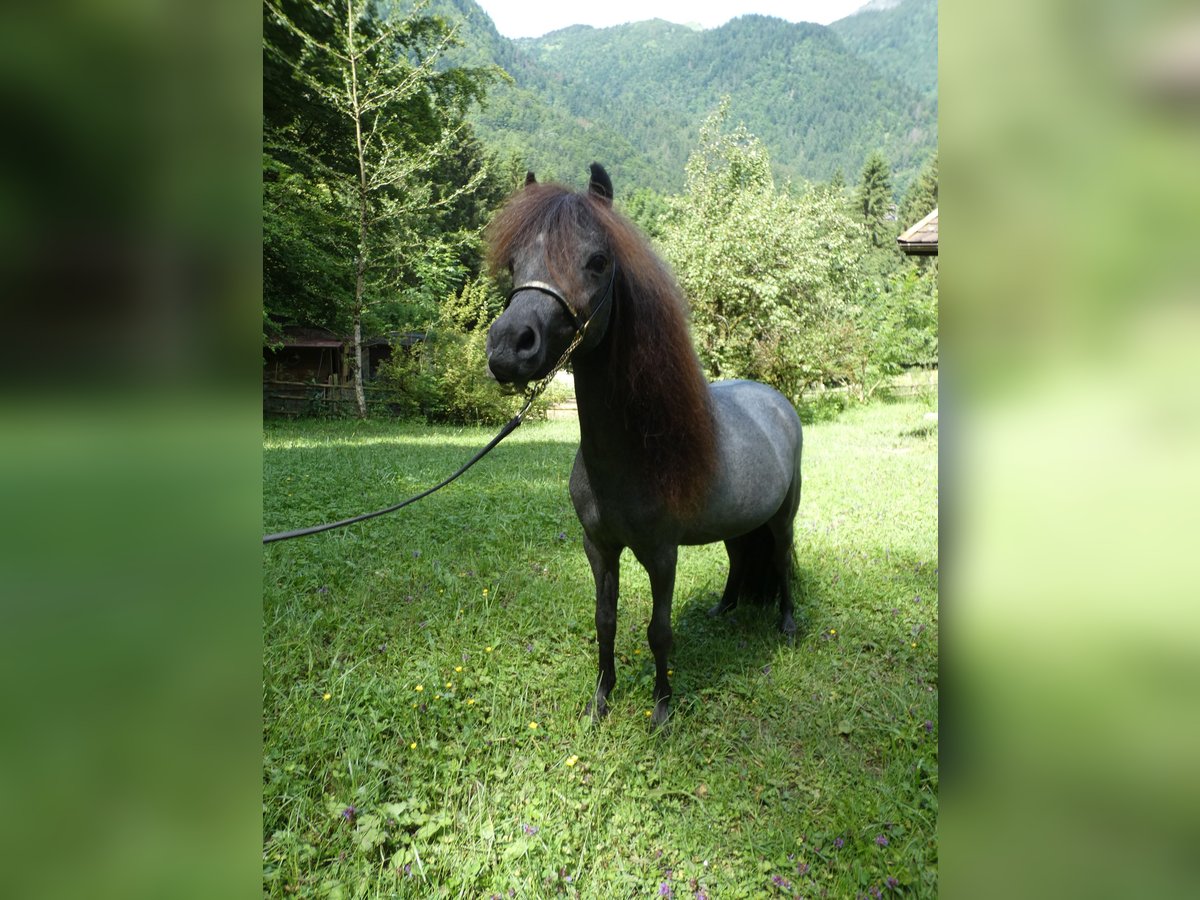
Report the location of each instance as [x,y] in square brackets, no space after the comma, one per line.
[401,114]
[874,196]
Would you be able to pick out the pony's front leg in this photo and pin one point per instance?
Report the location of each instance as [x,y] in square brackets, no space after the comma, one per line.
[605,562]
[660,566]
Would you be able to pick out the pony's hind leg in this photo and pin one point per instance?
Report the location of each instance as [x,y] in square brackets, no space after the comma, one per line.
[783,560]
[736,548]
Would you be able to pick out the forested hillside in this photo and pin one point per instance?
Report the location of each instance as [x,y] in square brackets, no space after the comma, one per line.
[820,98]
[900,42]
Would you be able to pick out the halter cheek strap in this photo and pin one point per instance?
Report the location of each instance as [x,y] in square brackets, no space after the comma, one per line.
[580,322]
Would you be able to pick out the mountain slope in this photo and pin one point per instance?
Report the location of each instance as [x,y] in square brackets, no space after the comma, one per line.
[901,41]
[633,96]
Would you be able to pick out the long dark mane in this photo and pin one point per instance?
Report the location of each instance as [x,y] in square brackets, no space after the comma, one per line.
[655,375]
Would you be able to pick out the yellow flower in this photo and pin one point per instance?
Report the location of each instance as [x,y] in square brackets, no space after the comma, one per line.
[471,702]
[412,746]
[833,631]
[327,695]
[485,592]
[572,759]
[914,643]
[449,684]
[487,649]
[419,687]
[649,713]
[533,726]
[458,668]
[670,672]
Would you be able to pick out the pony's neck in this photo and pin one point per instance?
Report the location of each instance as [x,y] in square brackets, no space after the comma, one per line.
[606,437]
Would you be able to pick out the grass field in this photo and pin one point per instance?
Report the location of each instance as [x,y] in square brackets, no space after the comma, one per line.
[425,676]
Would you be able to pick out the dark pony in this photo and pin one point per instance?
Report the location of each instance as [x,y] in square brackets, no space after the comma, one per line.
[655,374]
[664,458]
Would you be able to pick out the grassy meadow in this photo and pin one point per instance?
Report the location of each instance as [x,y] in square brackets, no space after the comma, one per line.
[425,675]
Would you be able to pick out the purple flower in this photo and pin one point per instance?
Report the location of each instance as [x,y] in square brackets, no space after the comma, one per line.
[876,892]
[892,883]
[700,895]
[928,727]
[881,840]
[349,813]
[839,843]
[529,829]
[780,882]
[664,890]
[407,870]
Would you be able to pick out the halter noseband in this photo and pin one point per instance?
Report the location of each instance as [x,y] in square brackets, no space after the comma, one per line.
[580,322]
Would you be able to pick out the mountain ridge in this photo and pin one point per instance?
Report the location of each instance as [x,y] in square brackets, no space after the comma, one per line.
[819,97]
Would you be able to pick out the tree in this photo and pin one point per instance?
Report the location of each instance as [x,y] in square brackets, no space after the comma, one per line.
[390,115]
[873,198]
[921,198]
[773,278]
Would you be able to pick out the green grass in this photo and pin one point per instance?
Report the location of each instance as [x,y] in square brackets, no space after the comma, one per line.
[407,658]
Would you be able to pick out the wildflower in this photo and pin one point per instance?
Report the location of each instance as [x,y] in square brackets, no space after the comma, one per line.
[928,727]
[349,813]
[458,668]
[892,883]
[670,672]
[802,869]
[649,712]
[470,701]
[412,746]
[881,840]
[529,829]
[833,631]
[533,726]
[326,695]
[839,843]
[664,890]
[419,687]
[485,592]
[449,684]
[572,759]
[780,882]
[487,649]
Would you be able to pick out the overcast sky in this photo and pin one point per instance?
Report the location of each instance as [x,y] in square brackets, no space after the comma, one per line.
[533,18]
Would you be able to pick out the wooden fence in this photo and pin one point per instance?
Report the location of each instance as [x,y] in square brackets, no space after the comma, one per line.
[298,398]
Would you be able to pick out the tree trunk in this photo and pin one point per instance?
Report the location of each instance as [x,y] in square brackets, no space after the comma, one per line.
[360,396]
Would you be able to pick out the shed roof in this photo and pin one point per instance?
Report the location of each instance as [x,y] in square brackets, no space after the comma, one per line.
[922,237]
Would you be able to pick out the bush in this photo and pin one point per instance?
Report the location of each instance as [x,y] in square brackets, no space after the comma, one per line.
[444,378]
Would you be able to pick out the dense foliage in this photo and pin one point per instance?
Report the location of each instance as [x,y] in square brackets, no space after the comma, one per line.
[798,289]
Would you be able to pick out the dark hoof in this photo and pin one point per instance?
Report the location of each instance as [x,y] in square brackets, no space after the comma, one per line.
[597,708]
[662,712]
[788,626]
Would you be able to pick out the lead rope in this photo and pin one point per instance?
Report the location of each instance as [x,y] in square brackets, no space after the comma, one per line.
[531,393]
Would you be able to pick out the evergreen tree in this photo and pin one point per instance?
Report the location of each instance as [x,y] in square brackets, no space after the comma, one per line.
[873,199]
[921,198]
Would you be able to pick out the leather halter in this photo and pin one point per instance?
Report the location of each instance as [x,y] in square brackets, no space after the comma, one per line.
[580,322]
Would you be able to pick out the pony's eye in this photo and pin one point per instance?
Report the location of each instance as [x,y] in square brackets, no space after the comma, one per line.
[597,263]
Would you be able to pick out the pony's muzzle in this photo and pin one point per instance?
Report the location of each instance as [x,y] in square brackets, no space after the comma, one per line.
[514,351]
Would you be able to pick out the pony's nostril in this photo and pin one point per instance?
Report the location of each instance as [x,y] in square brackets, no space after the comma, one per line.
[527,342]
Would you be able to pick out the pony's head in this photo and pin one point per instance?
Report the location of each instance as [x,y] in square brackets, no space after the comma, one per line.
[555,244]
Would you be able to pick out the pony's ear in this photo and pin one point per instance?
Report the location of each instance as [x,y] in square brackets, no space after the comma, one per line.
[529,179]
[600,185]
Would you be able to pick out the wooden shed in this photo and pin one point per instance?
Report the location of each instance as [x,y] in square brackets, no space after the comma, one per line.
[922,238]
